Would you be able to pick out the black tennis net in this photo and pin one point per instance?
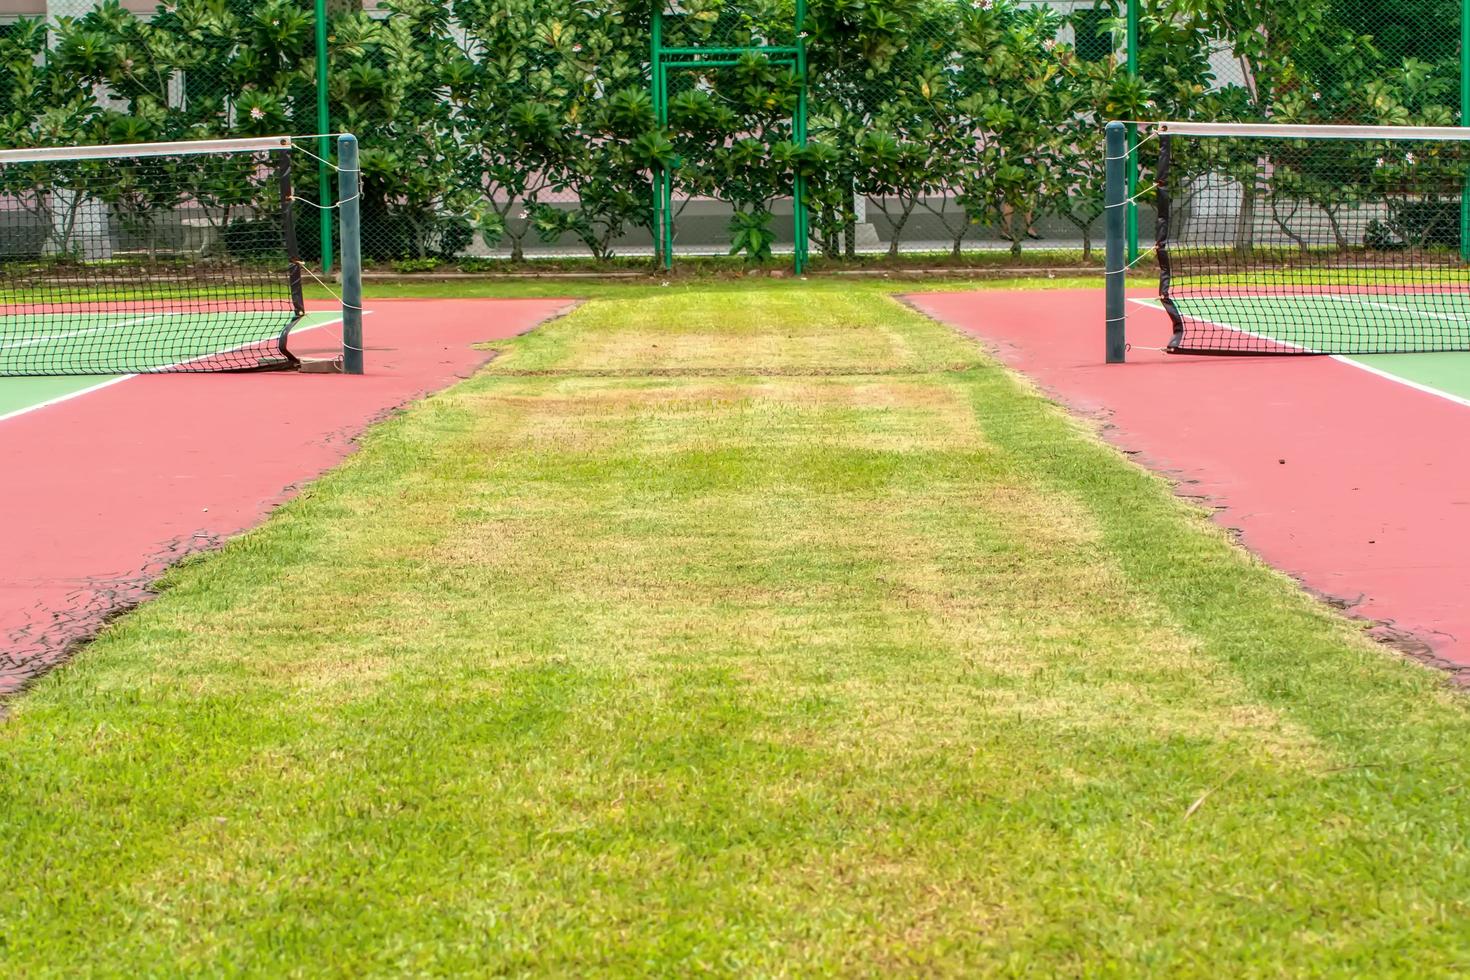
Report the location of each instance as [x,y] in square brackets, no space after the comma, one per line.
[147,258]
[1312,239]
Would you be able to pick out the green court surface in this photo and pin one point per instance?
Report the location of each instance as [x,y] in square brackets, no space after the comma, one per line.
[1447,373]
[19,394]
[53,356]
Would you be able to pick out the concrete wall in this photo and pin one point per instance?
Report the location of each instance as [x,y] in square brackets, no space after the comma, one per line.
[702,227]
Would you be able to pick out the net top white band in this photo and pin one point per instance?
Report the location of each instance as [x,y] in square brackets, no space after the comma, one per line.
[41,154]
[1290,131]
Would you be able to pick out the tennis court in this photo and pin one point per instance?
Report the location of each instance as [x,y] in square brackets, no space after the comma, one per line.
[1331,322]
[1341,470]
[189,460]
[714,622]
[139,340]
[163,257]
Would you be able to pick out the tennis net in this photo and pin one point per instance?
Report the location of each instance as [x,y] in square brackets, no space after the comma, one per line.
[147,258]
[1277,239]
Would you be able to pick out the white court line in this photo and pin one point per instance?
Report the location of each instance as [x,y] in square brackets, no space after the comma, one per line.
[112,381]
[1339,358]
[1412,311]
[47,338]
[1427,389]
[1154,305]
[64,398]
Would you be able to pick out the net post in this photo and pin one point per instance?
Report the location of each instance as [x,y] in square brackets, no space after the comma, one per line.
[349,199]
[1115,222]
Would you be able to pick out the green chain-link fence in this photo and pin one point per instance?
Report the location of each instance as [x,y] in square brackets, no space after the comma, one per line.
[495,130]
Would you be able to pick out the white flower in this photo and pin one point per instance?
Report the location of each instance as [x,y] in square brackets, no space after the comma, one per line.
[1380,161]
[576,47]
[256,112]
[525,214]
[1316,96]
[1408,158]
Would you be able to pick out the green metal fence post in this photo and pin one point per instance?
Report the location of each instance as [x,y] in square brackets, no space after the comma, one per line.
[799,215]
[1116,157]
[1465,121]
[1132,206]
[349,197]
[323,142]
[661,188]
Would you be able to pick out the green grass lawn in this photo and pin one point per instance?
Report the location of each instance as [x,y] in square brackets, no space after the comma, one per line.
[763,629]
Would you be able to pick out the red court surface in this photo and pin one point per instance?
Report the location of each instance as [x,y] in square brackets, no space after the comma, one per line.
[105,490]
[1357,486]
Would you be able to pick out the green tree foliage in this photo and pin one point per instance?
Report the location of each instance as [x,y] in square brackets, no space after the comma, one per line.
[507,120]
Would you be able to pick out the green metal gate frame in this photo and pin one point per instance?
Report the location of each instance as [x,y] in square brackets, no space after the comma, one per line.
[323,140]
[664,59]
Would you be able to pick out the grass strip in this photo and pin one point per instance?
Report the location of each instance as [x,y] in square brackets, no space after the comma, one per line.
[751,630]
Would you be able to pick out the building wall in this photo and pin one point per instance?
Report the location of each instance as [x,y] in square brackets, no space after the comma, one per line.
[11,9]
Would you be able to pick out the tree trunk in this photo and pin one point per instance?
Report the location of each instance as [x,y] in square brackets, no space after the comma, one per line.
[903,219]
[1338,236]
[1245,225]
[1285,225]
[829,231]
